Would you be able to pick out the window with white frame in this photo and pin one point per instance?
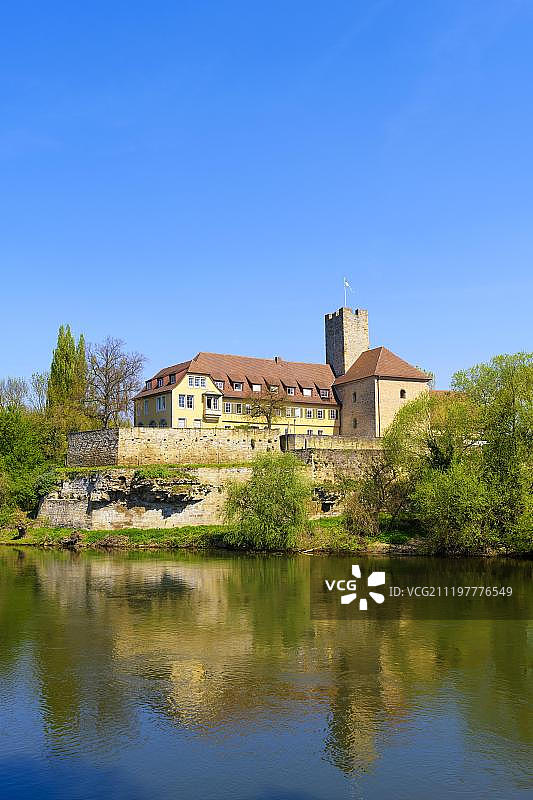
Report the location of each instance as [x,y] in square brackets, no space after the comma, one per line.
[237,385]
[290,390]
[333,413]
[181,422]
[172,377]
[181,401]
[190,401]
[238,408]
[256,387]
[145,408]
[288,412]
[227,408]
[309,432]
[297,412]
[320,413]
[160,403]
[309,413]
[248,409]
[159,382]
[211,402]
[324,393]
[307,392]
[219,385]
[191,380]
[197,423]
[148,384]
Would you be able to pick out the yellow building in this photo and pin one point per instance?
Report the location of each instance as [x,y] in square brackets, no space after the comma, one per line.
[225,391]
[356,393]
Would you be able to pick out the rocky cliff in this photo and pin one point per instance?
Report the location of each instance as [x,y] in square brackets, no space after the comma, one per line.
[126,498]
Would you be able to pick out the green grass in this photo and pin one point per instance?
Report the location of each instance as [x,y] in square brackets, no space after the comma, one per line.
[189,536]
[326,534]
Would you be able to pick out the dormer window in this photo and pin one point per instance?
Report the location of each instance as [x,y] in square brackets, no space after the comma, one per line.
[256,387]
[159,383]
[290,390]
[220,385]
[273,387]
[307,392]
[172,377]
[324,393]
[148,384]
[237,386]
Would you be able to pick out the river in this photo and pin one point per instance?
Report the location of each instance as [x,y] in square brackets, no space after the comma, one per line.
[142,676]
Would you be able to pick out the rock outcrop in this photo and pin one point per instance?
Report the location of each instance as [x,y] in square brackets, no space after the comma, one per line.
[126,498]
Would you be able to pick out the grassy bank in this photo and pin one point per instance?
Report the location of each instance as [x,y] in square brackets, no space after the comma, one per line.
[321,535]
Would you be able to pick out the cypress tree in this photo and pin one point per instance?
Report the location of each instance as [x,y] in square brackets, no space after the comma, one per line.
[68,380]
[81,372]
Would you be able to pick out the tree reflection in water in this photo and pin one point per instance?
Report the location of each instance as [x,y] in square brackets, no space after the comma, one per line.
[216,643]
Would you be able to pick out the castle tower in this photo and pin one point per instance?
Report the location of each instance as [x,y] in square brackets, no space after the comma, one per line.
[346,338]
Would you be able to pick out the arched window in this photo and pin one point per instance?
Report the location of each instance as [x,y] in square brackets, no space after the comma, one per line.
[403,394]
[162,423]
[354,422]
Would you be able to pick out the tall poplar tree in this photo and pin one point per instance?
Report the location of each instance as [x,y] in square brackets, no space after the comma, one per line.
[67,383]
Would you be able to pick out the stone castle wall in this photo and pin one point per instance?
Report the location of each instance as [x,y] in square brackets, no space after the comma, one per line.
[93,448]
[140,446]
[330,466]
[300,441]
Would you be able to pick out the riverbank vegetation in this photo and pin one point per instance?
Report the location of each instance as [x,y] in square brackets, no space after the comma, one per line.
[455,474]
[458,466]
[86,387]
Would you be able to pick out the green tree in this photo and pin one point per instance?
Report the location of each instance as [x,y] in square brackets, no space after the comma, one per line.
[67,382]
[266,404]
[503,392]
[28,449]
[268,511]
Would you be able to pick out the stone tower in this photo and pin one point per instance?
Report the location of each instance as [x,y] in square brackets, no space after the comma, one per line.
[346,338]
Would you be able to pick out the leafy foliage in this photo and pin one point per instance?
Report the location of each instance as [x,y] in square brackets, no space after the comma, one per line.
[268,511]
[461,463]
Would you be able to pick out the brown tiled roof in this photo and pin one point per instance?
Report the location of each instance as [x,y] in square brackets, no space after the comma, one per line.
[268,371]
[178,369]
[265,371]
[381,363]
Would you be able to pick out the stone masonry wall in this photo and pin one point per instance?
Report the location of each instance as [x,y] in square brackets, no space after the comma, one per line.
[93,448]
[300,441]
[330,466]
[140,446]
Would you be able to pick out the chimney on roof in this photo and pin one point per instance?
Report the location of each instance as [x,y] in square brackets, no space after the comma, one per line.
[346,338]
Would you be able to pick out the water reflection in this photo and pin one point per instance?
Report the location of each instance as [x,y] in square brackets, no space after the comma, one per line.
[156,652]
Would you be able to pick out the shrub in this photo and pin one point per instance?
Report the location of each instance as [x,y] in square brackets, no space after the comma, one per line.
[454,506]
[270,509]
[360,518]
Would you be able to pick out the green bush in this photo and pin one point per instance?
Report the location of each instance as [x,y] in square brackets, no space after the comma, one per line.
[360,518]
[270,509]
[455,508]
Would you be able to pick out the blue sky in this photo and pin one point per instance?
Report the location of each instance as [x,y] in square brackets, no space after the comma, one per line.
[200,176]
